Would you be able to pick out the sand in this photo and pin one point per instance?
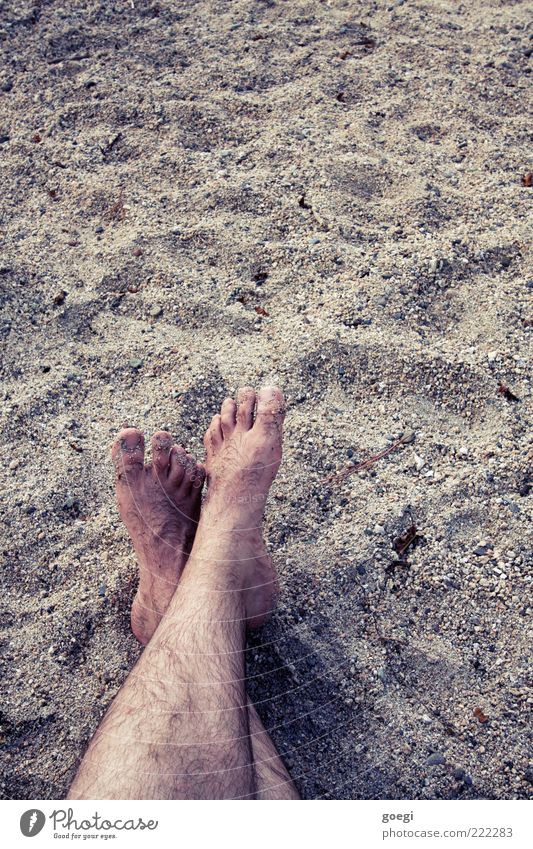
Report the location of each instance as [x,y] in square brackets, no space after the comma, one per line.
[327,195]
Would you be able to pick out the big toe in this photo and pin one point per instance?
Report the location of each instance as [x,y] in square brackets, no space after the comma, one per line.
[127,453]
[270,410]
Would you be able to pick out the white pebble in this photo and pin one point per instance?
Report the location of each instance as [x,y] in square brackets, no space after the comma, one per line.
[419,462]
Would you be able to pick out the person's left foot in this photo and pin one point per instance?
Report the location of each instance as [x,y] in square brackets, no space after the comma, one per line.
[159,503]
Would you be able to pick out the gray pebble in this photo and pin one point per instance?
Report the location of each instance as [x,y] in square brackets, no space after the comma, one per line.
[435,759]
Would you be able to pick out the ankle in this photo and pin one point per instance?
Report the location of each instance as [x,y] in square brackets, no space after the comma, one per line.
[233,515]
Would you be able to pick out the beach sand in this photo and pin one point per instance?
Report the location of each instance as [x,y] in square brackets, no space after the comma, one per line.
[331,196]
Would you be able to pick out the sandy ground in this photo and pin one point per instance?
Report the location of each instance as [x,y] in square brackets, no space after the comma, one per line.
[327,195]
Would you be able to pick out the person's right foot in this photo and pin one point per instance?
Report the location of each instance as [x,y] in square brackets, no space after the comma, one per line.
[243,454]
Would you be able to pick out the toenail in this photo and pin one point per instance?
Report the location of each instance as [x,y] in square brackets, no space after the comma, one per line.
[130,448]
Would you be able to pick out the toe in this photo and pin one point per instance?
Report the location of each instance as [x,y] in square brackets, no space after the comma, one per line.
[189,493]
[199,478]
[213,435]
[246,406]
[177,465]
[189,474]
[161,447]
[196,478]
[128,453]
[270,409]
[227,416]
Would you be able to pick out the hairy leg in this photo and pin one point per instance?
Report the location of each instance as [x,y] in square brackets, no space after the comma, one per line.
[178,728]
[182,726]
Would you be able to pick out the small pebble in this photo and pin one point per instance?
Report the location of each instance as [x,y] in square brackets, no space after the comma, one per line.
[435,759]
[14,464]
[419,462]
[135,363]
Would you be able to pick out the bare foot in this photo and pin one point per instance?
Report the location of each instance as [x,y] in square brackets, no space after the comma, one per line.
[160,505]
[243,454]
